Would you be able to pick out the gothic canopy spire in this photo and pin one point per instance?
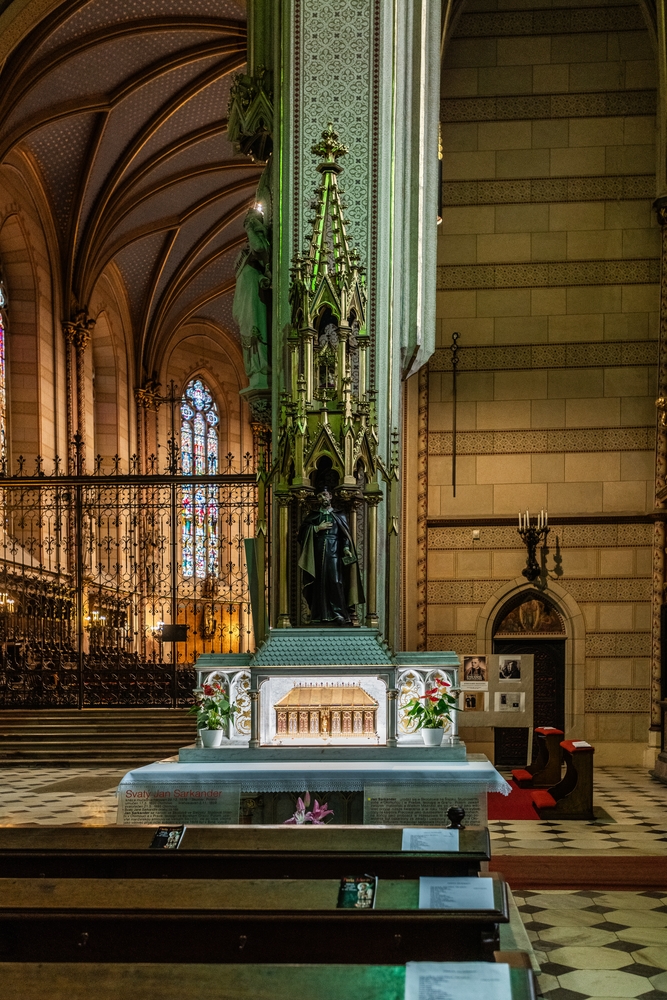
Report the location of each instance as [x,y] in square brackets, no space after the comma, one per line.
[329,259]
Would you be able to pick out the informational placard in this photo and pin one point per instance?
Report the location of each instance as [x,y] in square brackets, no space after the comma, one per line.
[504,698]
[190,802]
[421,805]
[429,839]
[457,981]
[456,894]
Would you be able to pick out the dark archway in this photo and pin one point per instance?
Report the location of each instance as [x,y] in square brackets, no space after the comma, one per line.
[530,624]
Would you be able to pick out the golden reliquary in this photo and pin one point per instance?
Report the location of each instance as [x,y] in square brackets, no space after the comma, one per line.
[317,711]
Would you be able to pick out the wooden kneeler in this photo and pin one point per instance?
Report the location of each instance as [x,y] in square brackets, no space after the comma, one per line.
[545,769]
[572,797]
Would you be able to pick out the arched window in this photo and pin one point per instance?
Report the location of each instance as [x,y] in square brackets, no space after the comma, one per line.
[199,457]
[3,374]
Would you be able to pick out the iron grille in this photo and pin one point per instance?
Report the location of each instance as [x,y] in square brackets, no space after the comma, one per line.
[90,570]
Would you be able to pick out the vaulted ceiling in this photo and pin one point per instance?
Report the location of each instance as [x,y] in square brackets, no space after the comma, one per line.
[122,106]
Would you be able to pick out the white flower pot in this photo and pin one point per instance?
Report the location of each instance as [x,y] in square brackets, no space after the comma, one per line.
[211,737]
[432,737]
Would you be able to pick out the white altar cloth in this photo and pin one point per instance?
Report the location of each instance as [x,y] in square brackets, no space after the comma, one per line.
[334,776]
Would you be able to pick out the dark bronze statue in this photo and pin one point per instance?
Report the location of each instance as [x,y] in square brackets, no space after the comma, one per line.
[329,562]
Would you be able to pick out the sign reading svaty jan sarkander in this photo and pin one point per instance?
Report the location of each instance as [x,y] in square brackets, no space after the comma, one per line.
[152,803]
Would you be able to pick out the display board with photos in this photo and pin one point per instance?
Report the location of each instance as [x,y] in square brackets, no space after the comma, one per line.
[496,690]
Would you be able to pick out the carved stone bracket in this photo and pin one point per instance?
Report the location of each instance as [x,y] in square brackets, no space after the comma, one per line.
[147,396]
[251,115]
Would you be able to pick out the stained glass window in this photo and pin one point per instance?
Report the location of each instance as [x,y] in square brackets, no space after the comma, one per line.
[199,457]
[3,376]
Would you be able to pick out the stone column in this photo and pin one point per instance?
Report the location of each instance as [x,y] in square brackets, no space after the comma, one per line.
[81,342]
[422,507]
[68,332]
[658,595]
[77,332]
[372,620]
[283,501]
[372,69]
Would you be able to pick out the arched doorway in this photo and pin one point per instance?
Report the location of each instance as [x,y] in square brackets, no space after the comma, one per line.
[530,623]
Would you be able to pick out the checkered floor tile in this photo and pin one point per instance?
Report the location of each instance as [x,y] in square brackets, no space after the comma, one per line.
[632,821]
[598,944]
[58,796]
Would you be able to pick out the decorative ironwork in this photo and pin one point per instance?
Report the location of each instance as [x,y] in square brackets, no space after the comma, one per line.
[532,536]
[91,570]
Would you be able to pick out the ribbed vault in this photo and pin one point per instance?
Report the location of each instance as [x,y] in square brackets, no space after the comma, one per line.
[121,109]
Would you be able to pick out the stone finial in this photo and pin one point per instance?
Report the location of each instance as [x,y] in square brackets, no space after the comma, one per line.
[329,148]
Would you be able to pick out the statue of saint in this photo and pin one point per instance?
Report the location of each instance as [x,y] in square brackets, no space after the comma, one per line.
[249,309]
[329,562]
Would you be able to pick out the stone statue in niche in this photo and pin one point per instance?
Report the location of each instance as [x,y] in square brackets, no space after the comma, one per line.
[333,586]
[252,284]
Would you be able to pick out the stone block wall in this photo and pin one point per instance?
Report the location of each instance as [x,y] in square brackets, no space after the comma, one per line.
[549,263]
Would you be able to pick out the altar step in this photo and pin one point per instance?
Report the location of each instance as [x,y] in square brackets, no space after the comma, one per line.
[93,736]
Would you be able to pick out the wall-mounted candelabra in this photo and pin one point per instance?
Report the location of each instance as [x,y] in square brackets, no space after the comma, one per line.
[6,603]
[94,621]
[532,536]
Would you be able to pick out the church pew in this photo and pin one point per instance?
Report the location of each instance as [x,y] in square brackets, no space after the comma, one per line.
[235,920]
[238,851]
[66,981]
[572,796]
[545,769]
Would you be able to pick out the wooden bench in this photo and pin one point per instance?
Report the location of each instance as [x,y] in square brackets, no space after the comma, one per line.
[572,796]
[235,921]
[545,769]
[64,981]
[237,851]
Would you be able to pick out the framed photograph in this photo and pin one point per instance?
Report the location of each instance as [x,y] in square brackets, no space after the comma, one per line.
[473,701]
[475,674]
[510,701]
[475,668]
[509,668]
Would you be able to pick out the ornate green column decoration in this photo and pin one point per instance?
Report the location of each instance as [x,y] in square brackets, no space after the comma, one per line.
[327,426]
[250,113]
[372,68]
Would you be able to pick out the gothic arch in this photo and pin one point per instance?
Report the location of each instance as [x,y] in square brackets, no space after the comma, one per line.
[111,405]
[199,348]
[575,646]
[23,390]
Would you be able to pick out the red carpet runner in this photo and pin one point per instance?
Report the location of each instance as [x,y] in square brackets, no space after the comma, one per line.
[517,805]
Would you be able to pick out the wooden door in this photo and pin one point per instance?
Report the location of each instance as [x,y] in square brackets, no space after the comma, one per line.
[549,676]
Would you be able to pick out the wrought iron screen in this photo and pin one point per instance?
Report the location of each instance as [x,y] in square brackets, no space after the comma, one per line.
[90,573]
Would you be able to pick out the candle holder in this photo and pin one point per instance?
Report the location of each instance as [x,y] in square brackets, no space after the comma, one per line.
[532,536]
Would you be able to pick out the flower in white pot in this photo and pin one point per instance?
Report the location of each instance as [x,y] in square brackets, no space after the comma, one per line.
[214,712]
[432,710]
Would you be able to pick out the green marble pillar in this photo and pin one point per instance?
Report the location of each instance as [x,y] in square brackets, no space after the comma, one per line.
[371,68]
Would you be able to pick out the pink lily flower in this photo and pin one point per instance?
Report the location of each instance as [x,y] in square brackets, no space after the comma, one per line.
[320,812]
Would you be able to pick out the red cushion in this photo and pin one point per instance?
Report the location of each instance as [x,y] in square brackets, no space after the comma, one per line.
[542,799]
[569,745]
[522,775]
[549,731]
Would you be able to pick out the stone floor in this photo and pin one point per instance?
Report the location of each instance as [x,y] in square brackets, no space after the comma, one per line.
[598,945]
[591,945]
[633,820]
[52,796]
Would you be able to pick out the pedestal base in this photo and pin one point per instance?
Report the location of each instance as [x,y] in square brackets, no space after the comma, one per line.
[407,786]
[318,756]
